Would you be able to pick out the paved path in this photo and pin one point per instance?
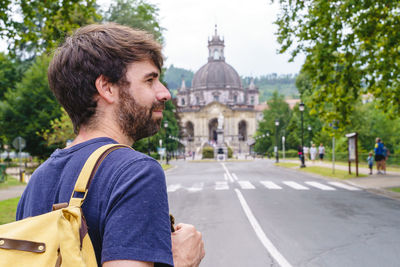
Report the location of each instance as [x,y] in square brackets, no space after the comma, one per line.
[11,192]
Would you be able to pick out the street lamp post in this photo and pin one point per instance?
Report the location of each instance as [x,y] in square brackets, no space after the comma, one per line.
[166,141]
[301,108]
[276,141]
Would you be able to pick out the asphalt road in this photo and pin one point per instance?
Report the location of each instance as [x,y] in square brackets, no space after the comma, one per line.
[256,214]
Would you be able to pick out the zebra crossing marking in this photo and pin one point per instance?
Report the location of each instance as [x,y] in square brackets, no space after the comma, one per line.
[173,187]
[246,185]
[270,185]
[344,186]
[320,186]
[295,185]
[221,185]
[196,187]
[224,185]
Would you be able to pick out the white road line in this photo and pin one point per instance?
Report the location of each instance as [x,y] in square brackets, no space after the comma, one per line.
[225,176]
[221,185]
[295,185]
[270,185]
[227,173]
[345,186]
[260,233]
[246,185]
[235,177]
[196,187]
[173,187]
[321,186]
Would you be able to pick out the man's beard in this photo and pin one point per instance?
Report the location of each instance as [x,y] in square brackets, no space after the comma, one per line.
[136,120]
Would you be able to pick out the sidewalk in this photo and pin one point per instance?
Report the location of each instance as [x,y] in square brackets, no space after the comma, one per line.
[377,183]
[13,191]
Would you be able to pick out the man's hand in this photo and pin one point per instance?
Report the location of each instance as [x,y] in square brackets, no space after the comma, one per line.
[187,246]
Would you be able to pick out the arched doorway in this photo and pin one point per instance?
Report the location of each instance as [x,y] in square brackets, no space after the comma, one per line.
[242,135]
[212,130]
[242,131]
[189,131]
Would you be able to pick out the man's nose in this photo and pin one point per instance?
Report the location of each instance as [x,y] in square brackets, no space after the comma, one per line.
[163,93]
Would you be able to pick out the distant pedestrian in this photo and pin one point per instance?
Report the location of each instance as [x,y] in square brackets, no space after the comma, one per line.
[306,150]
[370,161]
[301,155]
[321,151]
[313,152]
[379,156]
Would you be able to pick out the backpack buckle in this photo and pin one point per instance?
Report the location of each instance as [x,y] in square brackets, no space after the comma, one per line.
[77,199]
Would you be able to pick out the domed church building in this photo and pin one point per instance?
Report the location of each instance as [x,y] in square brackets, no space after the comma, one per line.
[216,108]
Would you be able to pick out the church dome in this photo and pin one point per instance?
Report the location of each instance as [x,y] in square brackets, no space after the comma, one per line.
[216,74]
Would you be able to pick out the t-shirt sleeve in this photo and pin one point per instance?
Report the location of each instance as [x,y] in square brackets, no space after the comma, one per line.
[137,225]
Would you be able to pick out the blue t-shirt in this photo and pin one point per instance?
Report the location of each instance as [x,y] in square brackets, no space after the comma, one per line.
[378,148]
[126,208]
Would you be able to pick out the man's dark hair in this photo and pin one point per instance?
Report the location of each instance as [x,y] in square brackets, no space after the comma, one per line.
[94,50]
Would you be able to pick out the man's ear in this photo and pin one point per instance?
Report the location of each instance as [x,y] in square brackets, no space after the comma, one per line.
[106,90]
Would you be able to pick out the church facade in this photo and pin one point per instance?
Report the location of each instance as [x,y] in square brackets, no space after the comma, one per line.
[216,95]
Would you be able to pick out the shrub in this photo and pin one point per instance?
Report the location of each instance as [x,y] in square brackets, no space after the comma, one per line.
[230,152]
[155,155]
[208,153]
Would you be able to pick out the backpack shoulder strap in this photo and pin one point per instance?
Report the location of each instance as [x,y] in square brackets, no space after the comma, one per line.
[88,171]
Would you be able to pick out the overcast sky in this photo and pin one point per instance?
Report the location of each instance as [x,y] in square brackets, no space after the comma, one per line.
[246,26]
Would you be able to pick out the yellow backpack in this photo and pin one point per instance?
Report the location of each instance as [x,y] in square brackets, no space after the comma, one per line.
[57,238]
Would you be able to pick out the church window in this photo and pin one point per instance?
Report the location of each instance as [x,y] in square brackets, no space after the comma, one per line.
[235,98]
[182,101]
[216,98]
[197,100]
[216,54]
[252,100]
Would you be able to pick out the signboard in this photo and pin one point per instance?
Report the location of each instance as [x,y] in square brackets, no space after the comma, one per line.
[352,143]
[352,149]
[161,151]
[19,143]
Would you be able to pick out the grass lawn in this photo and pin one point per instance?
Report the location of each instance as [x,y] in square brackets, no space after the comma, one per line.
[8,208]
[166,166]
[10,182]
[395,189]
[340,174]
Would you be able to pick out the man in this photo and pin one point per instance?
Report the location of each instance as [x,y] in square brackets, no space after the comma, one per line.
[321,152]
[379,155]
[107,78]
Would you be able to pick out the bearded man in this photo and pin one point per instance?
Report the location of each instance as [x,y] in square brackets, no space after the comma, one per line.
[107,79]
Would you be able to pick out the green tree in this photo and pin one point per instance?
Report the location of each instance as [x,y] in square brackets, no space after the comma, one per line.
[173,77]
[28,110]
[351,49]
[35,26]
[10,73]
[60,132]
[137,14]
[279,110]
